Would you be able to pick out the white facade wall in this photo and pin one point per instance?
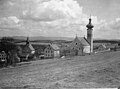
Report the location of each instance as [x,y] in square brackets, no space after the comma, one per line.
[3,56]
[56,53]
[86,49]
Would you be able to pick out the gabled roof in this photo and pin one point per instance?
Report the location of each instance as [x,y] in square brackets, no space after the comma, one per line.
[83,40]
[2,53]
[31,47]
[54,46]
[28,46]
[102,45]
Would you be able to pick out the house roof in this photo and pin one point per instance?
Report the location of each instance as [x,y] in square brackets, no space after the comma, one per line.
[54,46]
[83,40]
[102,45]
[31,47]
[28,46]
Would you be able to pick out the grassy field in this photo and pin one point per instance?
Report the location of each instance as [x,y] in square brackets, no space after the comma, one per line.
[91,71]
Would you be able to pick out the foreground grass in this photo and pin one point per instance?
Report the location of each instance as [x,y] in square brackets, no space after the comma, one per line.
[91,71]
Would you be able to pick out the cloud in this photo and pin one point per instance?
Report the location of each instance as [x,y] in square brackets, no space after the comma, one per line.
[53,10]
[57,17]
[108,30]
[13,18]
[48,18]
[10,3]
[11,21]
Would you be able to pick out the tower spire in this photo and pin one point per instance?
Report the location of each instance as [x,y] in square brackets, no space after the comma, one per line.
[76,35]
[27,41]
[90,19]
[90,26]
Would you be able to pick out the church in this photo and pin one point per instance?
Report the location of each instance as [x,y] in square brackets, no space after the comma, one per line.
[82,45]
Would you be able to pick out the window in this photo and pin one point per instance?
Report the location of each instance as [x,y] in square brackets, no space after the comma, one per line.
[51,54]
[76,43]
[73,48]
[79,48]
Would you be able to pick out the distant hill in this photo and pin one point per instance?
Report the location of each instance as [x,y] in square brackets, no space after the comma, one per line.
[107,41]
[59,39]
[42,38]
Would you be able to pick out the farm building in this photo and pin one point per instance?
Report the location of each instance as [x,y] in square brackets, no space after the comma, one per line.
[3,56]
[100,47]
[52,51]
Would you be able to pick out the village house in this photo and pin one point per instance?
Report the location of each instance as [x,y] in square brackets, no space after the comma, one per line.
[101,47]
[52,51]
[39,50]
[3,56]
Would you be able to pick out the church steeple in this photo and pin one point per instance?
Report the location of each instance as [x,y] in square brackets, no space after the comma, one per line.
[90,26]
[76,37]
[27,41]
[90,34]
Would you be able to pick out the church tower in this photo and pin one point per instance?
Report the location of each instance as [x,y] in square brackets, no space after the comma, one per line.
[27,41]
[90,34]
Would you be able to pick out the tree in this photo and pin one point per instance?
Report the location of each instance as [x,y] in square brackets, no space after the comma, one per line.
[8,45]
[119,44]
[65,52]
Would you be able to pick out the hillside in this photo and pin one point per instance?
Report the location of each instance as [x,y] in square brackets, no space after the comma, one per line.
[90,71]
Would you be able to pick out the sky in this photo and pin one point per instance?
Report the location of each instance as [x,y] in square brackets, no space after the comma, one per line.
[60,18]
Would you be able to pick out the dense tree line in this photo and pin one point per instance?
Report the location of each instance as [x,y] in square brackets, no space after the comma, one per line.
[8,45]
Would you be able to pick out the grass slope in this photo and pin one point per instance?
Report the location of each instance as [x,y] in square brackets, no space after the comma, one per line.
[91,71]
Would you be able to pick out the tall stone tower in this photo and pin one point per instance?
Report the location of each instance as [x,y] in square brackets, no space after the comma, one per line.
[90,34]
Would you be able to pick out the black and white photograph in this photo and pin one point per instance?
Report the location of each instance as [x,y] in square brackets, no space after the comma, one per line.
[59,44]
